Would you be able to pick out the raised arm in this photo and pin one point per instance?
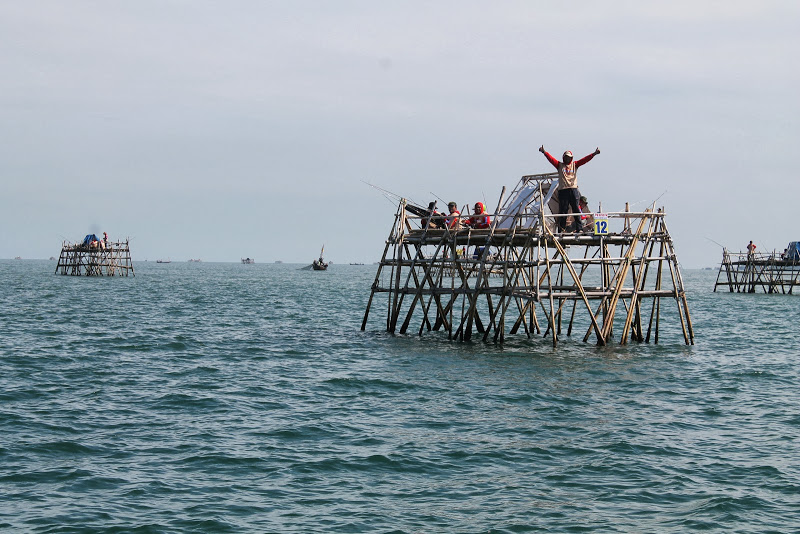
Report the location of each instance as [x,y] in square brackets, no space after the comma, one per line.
[553,161]
[587,159]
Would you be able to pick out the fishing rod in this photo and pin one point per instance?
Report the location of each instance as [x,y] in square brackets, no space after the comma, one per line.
[721,245]
[632,204]
[659,196]
[387,192]
[444,202]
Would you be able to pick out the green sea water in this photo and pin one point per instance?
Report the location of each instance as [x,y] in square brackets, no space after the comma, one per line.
[202,397]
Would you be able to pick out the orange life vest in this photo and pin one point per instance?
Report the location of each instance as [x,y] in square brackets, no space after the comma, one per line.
[482,220]
[453,218]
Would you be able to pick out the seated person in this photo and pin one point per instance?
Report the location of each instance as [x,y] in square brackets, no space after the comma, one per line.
[433,219]
[480,219]
[453,220]
[587,220]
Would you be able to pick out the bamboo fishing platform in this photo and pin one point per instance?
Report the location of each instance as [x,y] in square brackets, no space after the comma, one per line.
[83,259]
[521,274]
[744,272]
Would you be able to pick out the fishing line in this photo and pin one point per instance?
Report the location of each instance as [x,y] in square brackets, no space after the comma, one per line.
[721,245]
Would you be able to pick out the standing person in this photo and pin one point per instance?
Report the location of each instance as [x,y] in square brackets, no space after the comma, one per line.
[751,248]
[454,219]
[568,193]
[105,241]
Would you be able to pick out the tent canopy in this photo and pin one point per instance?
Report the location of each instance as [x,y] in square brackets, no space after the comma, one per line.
[793,251]
[89,238]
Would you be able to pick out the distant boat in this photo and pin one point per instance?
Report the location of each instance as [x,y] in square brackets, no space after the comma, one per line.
[164,261]
[248,261]
[195,261]
[18,258]
[319,265]
[278,261]
[356,264]
[52,258]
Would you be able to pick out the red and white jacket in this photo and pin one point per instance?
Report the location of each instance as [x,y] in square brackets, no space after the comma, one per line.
[481,219]
[567,173]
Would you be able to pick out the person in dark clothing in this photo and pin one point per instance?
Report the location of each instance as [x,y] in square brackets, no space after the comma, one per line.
[433,219]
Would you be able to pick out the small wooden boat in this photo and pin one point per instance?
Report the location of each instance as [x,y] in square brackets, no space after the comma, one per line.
[319,265]
[248,261]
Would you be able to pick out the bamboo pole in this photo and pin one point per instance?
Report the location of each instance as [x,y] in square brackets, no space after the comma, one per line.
[581,292]
[437,276]
[635,296]
[609,321]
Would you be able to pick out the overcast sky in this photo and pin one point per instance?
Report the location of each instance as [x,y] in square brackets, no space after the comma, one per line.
[220,130]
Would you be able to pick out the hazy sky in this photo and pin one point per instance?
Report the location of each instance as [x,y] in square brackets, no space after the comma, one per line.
[220,130]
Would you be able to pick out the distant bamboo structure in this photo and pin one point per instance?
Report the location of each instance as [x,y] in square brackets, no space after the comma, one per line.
[612,282]
[105,259]
[744,272]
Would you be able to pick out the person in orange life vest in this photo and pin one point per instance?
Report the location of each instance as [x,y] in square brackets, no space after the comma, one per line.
[568,193]
[454,219]
[480,219]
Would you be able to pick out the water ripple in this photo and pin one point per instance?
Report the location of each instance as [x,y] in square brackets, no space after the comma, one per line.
[230,398]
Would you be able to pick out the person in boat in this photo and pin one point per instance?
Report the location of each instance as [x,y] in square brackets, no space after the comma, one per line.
[568,194]
[453,220]
[480,219]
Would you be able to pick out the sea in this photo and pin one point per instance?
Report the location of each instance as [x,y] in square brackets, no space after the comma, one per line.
[221,397]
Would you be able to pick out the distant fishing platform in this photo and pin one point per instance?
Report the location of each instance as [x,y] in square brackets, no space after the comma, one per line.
[522,274]
[94,257]
[746,272]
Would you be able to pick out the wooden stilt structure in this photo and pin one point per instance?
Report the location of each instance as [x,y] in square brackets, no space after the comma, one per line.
[743,272]
[79,259]
[501,278]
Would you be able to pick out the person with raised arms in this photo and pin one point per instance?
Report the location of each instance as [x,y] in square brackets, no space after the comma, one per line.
[568,194]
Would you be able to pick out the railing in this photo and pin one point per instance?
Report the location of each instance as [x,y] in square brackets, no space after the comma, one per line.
[101,246]
[746,272]
[495,278]
[759,257]
[617,222]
